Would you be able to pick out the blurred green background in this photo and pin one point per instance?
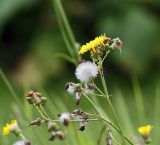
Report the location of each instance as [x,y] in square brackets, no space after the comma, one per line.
[30,38]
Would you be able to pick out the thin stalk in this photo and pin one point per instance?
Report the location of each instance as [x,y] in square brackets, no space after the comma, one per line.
[91,102]
[105,56]
[115,139]
[22,136]
[110,104]
[97,95]
[111,124]
[100,135]
[93,119]
[44,111]
[118,129]
[40,112]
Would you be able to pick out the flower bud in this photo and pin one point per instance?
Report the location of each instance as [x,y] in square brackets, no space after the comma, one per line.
[36,122]
[43,101]
[30,100]
[59,135]
[109,138]
[83,123]
[52,126]
[78,97]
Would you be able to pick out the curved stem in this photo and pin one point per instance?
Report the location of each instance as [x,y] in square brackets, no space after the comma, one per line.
[115,139]
[91,102]
[111,124]
[44,111]
[40,112]
[22,136]
[109,102]
[100,135]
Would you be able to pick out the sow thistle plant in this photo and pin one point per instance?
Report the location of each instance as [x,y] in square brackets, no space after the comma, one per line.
[86,72]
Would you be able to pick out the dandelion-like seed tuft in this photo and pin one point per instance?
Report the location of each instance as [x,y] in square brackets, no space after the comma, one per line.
[86,70]
[64,117]
[22,142]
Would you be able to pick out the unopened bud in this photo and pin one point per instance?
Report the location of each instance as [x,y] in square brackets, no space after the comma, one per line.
[108,138]
[59,135]
[78,97]
[36,122]
[52,126]
[83,123]
[30,100]
[43,101]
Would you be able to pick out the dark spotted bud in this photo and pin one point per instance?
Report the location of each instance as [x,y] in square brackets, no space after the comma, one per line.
[52,126]
[36,122]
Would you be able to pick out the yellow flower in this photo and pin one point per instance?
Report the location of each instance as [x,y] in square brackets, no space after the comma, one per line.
[9,127]
[145,130]
[94,44]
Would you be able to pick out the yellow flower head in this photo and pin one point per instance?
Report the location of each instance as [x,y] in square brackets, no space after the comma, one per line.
[9,127]
[94,44]
[145,130]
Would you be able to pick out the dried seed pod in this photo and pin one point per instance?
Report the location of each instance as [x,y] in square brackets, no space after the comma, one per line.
[30,100]
[109,138]
[43,101]
[78,97]
[52,126]
[83,123]
[30,94]
[59,135]
[36,122]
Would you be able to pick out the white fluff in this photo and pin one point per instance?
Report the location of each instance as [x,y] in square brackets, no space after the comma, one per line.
[71,89]
[64,116]
[20,142]
[86,70]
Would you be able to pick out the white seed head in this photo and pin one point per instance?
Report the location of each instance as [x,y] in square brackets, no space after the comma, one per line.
[20,142]
[70,87]
[117,43]
[86,70]
[64,116]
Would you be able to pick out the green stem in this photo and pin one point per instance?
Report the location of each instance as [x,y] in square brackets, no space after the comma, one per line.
[40,112]
[111,124]
[118,129]
[109,102]
[44,111]
[22,136]
[91,102]
[93,119]
[100,135]
[115,139]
